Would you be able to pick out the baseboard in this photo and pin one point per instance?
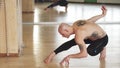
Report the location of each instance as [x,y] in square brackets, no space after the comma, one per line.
[3,54]
[9,55]
[27,11]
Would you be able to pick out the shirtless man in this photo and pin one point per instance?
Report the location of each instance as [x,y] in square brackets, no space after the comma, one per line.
[86,32]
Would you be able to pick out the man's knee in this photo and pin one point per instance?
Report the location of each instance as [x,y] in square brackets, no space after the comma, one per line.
[93,51]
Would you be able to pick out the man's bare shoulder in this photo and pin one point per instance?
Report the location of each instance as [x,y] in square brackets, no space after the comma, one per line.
[80,22]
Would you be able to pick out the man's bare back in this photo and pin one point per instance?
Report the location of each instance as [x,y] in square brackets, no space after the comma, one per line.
[93,30]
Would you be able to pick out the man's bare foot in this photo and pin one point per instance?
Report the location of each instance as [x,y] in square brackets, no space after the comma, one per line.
[49,58]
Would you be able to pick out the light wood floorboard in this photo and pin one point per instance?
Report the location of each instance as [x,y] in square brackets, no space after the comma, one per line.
[41,39]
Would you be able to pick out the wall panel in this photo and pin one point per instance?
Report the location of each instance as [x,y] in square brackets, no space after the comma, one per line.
[2,28]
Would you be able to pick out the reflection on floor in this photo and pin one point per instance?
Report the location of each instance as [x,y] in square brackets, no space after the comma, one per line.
[75,11]
[40,40]
[27,17]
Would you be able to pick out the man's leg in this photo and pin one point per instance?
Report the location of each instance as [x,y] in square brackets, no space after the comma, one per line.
[52,5]
[66,8]
[103,54]
[97,46]
[64,3]
[61,48]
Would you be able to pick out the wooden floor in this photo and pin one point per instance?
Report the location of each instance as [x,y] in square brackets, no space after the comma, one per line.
[40,37]
[75,11]
[40,40]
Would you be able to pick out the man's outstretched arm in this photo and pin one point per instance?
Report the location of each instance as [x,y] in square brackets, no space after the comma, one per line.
[79,38]
[95,18]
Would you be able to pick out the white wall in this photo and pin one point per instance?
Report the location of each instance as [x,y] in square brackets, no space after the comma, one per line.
[99,1]
[109,1]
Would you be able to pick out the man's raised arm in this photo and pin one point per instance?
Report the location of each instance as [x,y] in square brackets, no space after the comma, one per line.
[95,18]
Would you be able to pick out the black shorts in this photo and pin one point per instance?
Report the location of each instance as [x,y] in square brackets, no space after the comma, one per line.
[95,47]
[63,2]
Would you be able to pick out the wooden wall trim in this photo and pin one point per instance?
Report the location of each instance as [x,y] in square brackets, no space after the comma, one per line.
[10,55]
